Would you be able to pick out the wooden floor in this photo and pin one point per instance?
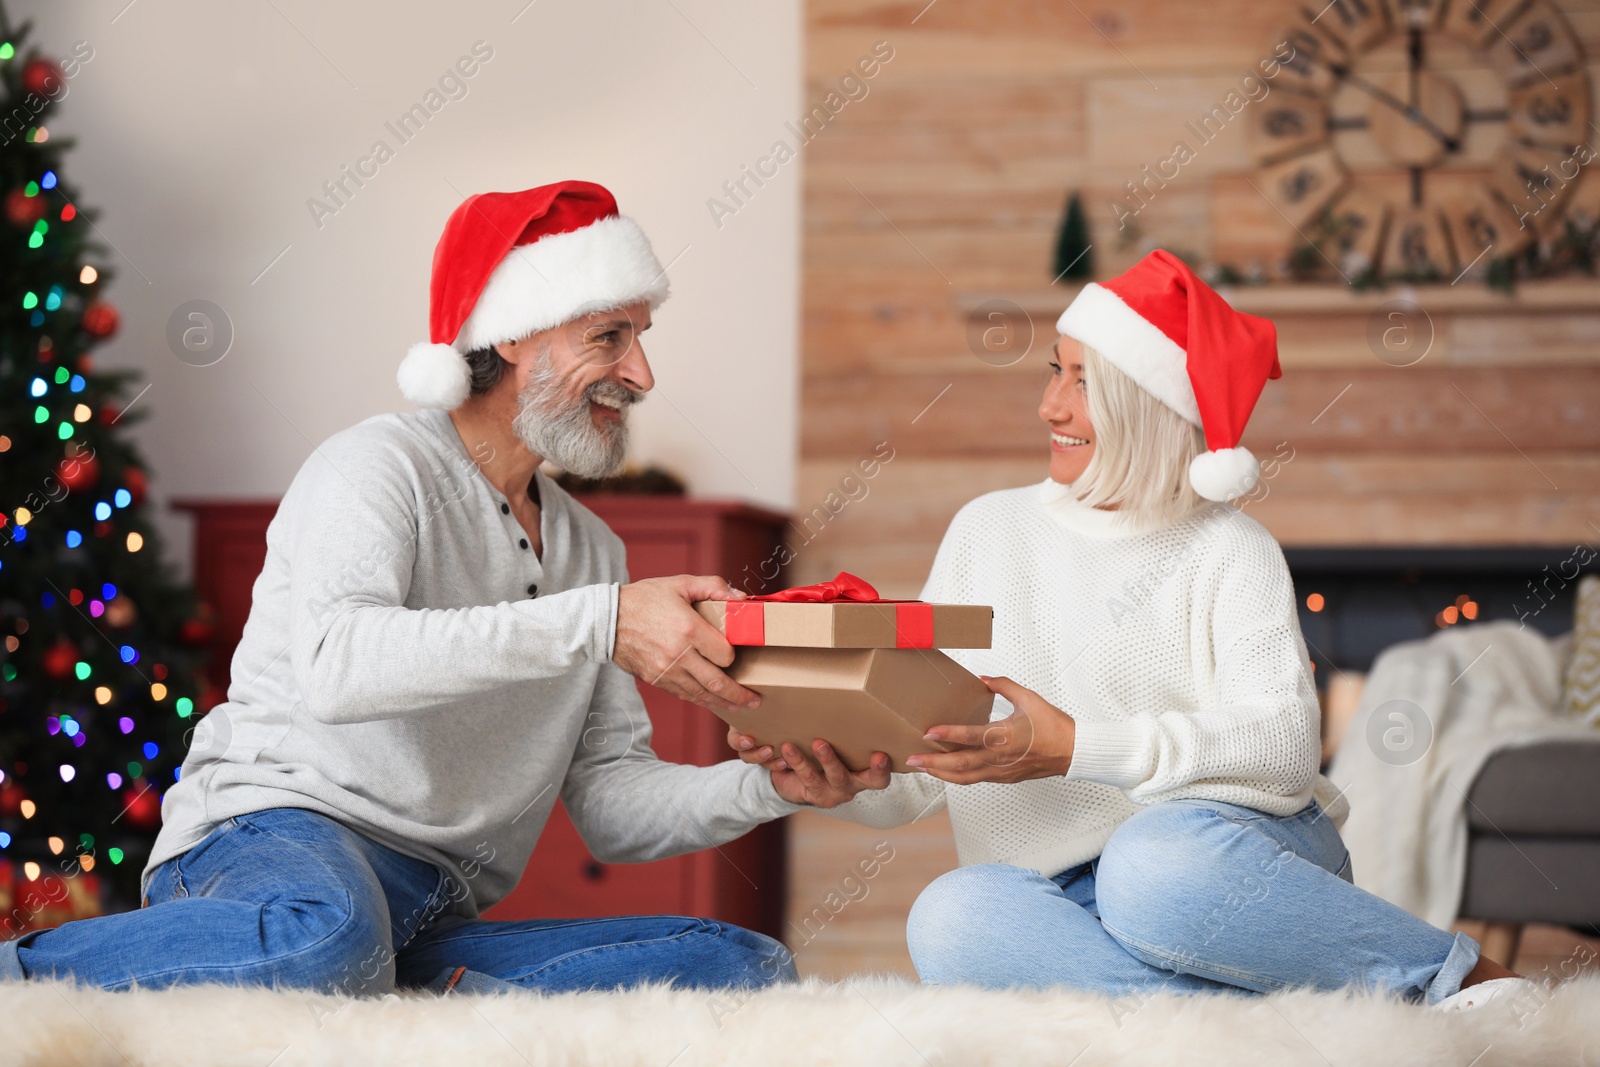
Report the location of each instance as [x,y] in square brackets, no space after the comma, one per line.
[1548,953]
[842,922]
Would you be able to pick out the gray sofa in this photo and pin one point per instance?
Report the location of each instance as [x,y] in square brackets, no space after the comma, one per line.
[1533,847]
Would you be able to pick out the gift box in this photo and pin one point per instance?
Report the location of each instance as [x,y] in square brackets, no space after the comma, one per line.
[835,661]
[33,898]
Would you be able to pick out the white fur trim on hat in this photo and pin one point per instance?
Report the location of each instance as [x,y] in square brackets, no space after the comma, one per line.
[1134,345]
[434,376]
[607,264]
[1224,474]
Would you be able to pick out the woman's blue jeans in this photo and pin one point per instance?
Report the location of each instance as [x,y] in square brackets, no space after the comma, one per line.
[290,898]
[1187,896]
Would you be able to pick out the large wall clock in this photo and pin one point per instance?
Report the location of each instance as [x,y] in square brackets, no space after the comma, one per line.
[1418,139]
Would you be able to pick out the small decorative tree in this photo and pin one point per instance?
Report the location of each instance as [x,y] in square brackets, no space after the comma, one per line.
[1074,260]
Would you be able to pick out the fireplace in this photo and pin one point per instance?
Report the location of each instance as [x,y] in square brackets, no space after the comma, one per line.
[1356,602]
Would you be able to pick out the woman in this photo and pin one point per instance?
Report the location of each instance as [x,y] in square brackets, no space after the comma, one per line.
[1145,811]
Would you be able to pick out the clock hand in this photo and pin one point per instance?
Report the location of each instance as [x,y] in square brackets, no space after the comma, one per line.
[1412,114]
[1413,65]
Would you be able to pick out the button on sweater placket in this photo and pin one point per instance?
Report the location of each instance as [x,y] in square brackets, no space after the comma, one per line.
[523,545]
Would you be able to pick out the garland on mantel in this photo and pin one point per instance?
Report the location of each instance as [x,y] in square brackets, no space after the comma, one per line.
[1574,251]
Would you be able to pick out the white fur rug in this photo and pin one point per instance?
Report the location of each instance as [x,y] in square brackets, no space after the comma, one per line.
[864,1021]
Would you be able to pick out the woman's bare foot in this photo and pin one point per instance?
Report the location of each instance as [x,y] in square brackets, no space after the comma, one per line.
[1485,970]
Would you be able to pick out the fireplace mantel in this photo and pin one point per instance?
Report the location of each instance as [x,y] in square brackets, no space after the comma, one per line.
[1577,295]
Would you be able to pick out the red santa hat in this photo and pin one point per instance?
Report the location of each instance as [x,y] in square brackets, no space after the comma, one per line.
[512,264]
[1172,334]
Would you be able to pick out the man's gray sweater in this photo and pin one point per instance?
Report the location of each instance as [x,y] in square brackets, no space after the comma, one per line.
[411,670]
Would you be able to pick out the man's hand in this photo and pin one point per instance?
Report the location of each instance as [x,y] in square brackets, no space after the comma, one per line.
[822,782]
[662,640]
[1035,741]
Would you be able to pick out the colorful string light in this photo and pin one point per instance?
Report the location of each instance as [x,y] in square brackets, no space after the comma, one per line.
[76,646]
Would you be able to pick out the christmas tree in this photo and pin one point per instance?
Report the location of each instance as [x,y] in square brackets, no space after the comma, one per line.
[99,677]
[1073,260]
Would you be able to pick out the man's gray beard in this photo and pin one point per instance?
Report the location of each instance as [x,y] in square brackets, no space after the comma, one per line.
[563,431]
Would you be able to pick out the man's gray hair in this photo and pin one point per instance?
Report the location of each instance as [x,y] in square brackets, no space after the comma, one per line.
[486,369]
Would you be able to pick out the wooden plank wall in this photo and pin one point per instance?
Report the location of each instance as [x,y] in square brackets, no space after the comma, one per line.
[948,179]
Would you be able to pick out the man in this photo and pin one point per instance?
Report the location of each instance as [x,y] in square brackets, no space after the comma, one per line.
[439,646]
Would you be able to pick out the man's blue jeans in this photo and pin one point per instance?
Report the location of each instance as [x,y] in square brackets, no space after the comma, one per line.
[290,898]
[1187,896]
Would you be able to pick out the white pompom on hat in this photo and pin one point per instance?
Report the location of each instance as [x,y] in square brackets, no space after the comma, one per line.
[512,264]
[1179,340]
[434,376]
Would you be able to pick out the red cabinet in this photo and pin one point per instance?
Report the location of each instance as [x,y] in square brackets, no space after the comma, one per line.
[740,882]
[230,545]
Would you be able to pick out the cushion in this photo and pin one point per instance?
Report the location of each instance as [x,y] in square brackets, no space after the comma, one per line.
[1583,669]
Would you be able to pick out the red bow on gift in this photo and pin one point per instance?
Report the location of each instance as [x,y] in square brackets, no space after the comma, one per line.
[845,587]
[745,621]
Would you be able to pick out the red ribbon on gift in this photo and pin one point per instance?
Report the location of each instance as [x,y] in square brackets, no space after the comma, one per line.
[744,622]
[845,587]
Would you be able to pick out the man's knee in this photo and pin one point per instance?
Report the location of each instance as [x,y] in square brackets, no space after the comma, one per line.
[329,945]
[719,955]
[773,962]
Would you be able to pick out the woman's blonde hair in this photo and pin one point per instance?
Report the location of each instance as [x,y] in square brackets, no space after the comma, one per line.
[1142,449]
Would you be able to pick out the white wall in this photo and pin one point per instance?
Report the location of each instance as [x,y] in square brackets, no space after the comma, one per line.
[204,128]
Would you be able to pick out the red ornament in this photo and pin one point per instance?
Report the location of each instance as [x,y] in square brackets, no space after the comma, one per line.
[43,76]
[141,807]
[136,483]
[59,659]
[196,632]
[11,798]
[78,473]
[100,319]
[110,413]
[22,209]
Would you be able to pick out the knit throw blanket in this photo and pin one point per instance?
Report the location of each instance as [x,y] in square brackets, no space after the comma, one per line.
[1431,713]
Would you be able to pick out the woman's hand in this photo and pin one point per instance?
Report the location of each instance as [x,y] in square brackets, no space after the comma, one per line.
[821,780]
[1036,741]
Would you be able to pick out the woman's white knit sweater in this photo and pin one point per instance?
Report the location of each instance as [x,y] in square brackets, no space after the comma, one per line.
[1176,649]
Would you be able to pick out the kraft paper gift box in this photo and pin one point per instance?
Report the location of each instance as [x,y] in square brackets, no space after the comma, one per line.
[833,661]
